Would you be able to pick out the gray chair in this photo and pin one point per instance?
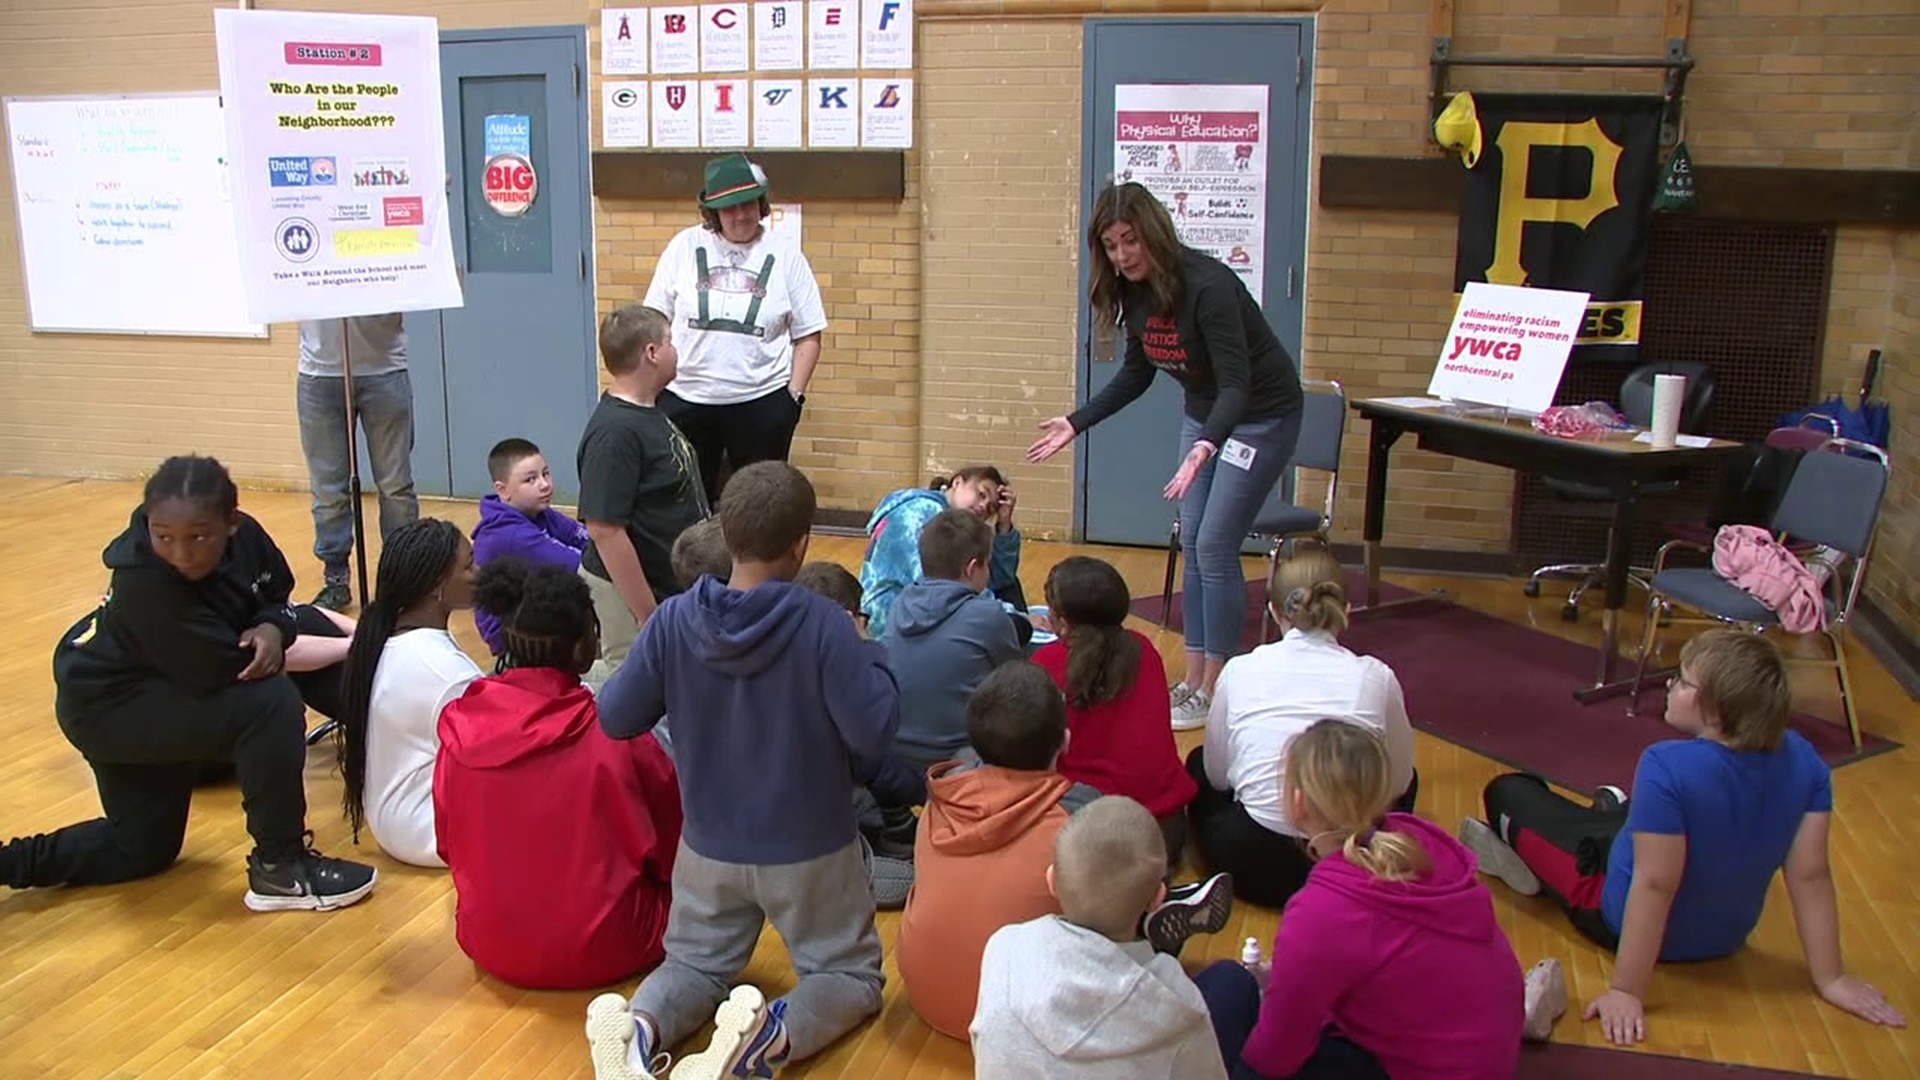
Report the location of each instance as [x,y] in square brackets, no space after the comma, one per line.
[1832,501]
[1323,426]
[1636,403]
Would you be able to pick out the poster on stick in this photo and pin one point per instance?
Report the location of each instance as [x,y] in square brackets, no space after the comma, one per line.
[336,158]
[1508,346]
[1201,150]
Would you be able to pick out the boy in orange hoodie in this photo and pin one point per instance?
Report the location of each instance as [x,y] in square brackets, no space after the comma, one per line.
[985,841]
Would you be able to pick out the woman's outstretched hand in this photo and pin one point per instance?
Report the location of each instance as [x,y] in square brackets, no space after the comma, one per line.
[1055,434]
[1196,458]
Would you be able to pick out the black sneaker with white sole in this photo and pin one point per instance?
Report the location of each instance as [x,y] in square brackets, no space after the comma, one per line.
[1609,799]
[308,881]
[334,595]
[1201,909]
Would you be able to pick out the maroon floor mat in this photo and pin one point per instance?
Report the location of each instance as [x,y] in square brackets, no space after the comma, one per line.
[1506,691]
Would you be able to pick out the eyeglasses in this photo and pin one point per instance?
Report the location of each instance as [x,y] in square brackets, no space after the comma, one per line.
[1679,680]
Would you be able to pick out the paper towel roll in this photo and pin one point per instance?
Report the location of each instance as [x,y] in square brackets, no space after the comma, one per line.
[1668,392]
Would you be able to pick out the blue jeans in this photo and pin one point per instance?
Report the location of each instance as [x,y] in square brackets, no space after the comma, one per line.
[1215,518]
[384,405]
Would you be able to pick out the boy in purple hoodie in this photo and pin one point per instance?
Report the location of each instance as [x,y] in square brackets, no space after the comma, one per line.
[779,709]
[1389,961]
[518,520]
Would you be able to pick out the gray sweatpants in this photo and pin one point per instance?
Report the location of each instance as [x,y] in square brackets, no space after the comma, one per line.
[823,908]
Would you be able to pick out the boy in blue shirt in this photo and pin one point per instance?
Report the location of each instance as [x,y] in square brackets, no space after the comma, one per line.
[518,521]
[779,710]
[1681,872]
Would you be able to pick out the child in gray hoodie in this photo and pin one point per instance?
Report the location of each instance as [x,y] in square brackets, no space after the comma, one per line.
[1082,995]
[944,636]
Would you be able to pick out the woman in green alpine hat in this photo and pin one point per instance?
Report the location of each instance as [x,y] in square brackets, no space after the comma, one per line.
[747,319]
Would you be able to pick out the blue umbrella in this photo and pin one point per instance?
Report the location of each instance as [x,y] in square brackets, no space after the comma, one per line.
[1867,422]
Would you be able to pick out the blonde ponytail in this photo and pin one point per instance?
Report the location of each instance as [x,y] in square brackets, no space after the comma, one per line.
[1341,770]
[1309,589]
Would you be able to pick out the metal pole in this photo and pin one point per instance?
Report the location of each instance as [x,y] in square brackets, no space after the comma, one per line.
[353,468]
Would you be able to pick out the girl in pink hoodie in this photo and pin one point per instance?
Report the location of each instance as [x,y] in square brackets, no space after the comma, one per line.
[1389,961]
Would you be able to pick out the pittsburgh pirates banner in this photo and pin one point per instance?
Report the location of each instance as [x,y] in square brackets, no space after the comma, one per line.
[1560,198]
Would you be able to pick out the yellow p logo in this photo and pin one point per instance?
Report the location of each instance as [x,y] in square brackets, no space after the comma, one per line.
[1517,140]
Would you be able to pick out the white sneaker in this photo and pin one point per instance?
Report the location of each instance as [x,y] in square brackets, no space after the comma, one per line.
[1191,713]
[1180,692]
[1497,858]
[1546,1000]
[621,1051]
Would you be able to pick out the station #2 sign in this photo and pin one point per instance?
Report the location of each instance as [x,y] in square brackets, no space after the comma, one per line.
[509,184]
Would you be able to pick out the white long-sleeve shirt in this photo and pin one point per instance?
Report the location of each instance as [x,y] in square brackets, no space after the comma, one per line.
[1277,691]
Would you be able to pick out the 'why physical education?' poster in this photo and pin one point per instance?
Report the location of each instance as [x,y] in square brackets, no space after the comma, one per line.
[336,156]
[1201,150]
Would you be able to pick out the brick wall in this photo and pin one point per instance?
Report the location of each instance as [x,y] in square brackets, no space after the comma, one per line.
[953,312]
[1894,583]
[999,119]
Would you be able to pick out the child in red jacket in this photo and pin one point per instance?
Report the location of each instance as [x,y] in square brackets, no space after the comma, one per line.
[561,840]
[1116,691]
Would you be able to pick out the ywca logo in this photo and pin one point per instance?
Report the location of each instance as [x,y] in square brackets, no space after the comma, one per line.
[676,96]
[296,239]
[777,95]
[625,98]
[889,98]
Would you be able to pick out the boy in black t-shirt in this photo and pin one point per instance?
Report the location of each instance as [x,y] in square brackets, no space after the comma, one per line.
[639,482]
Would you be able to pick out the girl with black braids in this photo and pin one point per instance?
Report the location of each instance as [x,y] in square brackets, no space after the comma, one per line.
[553,892]
[185,665]
[402,669]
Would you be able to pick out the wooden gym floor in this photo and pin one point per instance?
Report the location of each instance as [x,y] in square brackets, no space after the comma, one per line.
[172,976]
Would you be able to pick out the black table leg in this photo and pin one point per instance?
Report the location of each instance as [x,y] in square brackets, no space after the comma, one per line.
[1619,566]
[1378,446]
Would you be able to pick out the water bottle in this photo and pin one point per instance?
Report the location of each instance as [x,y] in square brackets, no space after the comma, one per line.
[1256,965]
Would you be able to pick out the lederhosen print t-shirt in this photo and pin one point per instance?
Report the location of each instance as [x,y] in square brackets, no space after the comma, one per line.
[735,310]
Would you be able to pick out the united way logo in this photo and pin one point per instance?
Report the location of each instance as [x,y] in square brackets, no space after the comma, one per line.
[297,239]
[301,172]
[322,172]
[676,96]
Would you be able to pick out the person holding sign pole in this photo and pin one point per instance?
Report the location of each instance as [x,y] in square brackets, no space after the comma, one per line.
[747,317]
[1187,314]
[383,402]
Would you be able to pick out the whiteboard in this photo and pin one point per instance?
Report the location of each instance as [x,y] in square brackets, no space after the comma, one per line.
[126,226]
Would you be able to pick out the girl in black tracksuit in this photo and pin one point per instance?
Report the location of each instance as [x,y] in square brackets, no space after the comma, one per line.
[182,665]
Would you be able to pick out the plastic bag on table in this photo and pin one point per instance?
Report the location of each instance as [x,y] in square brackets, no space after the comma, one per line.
[1594,420]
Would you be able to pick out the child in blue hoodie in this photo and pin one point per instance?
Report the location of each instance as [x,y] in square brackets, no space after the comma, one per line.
[519,520]
[779,709]
[946,637]
[892,561]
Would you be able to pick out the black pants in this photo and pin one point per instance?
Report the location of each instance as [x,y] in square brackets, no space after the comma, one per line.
[1565,844]
[734,435]
[146,750]
[1233,1004]
[1267,868]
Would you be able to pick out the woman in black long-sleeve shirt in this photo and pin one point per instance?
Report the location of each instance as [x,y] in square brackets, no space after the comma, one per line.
[182,666]
[1190,316]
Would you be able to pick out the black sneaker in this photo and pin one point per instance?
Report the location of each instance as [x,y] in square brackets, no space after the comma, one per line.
[308,881]
[1609,799]
[334,595]
[1202,909]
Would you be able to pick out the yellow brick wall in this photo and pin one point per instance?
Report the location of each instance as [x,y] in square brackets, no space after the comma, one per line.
[1894,581]
[1000,134]
[954,326]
